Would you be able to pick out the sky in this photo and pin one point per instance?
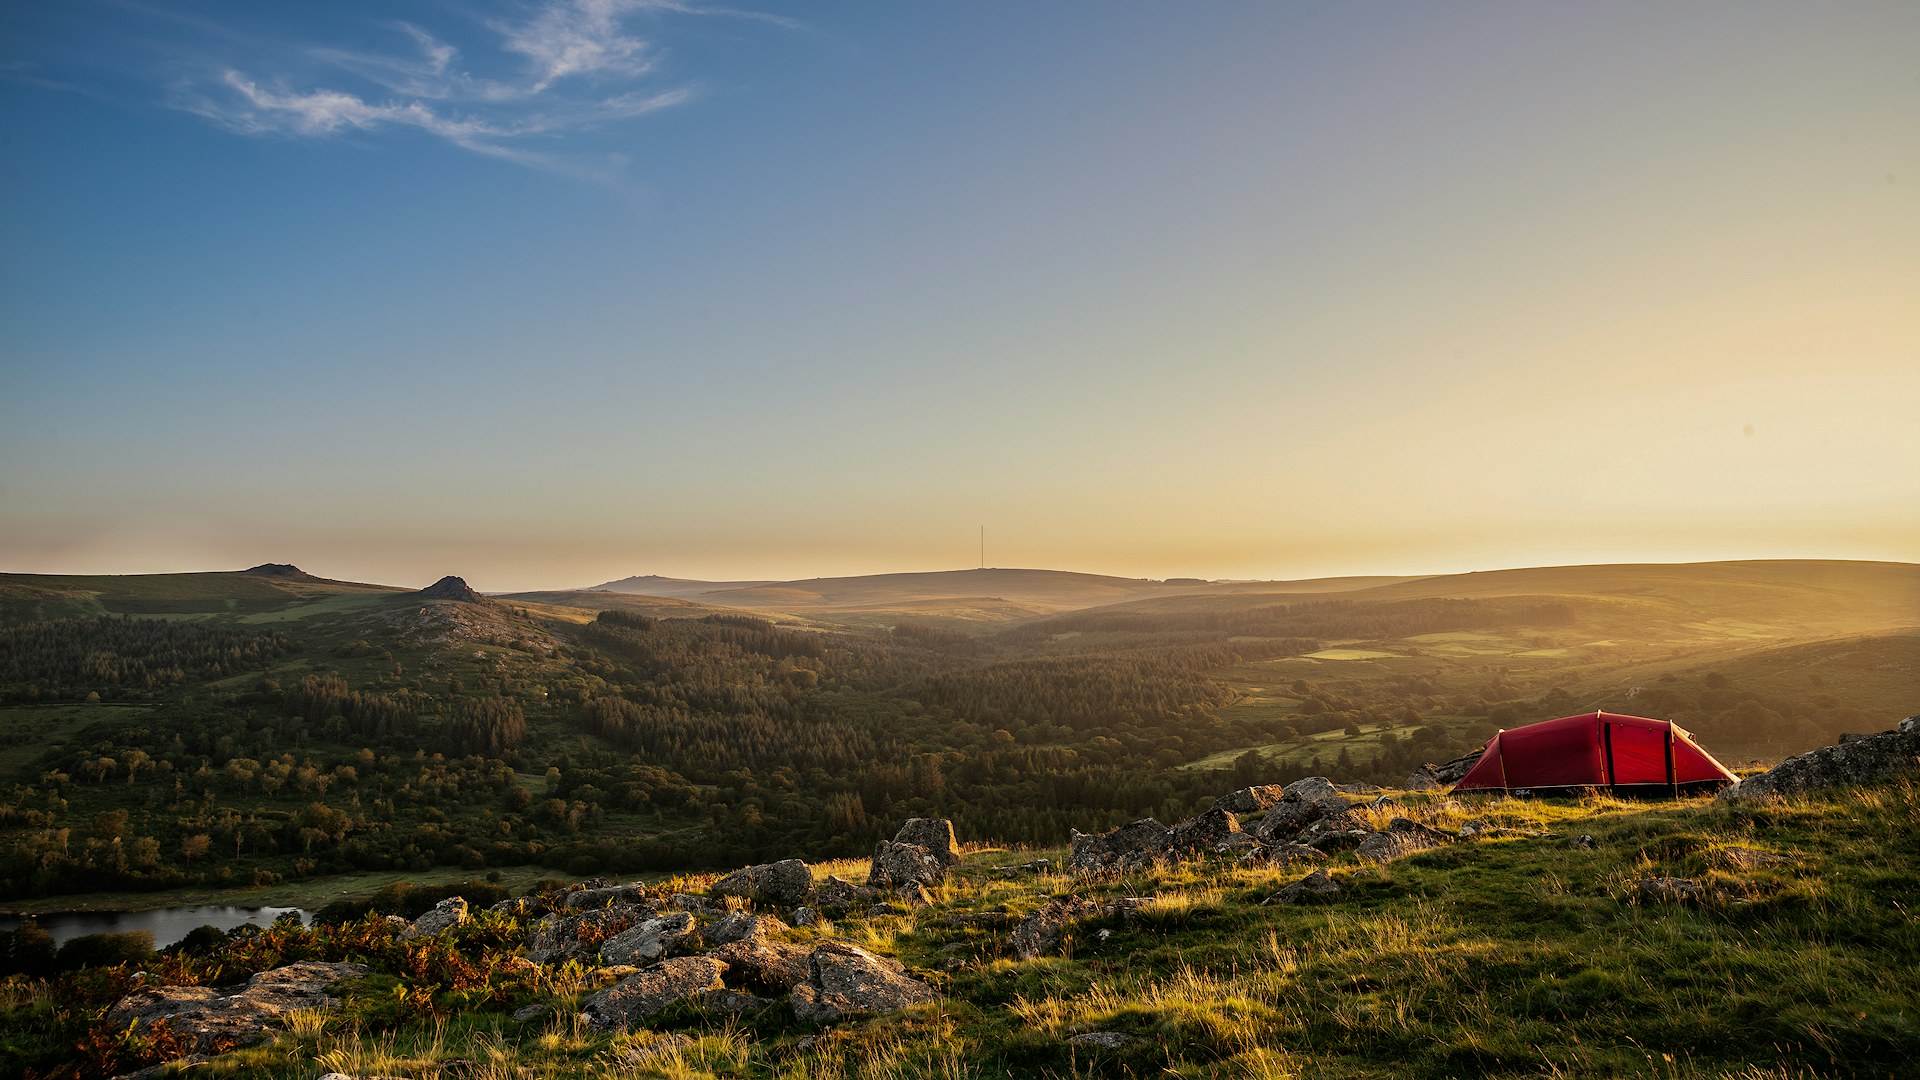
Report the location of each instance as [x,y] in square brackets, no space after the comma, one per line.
[549,292]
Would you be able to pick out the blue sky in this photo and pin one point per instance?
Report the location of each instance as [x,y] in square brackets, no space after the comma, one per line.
[551,292]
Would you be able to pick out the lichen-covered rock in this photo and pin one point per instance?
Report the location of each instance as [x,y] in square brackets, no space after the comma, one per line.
[1315,886]
[1841,765]
[731,1001]
[641,995]
[740,926]
[582,899]
[1250,800]
[1334,831]
[1138,845]
[1100,1040]
[934,834]
[1283,855]
[563,937]
[844,979]
[1302,803]
[1401,837]
[913,895]
[647,941]
[838,892]
[896,864]
[788,881]
[445,915]
[1422,779]
[208,1021]
[772,967]
[1209,834]
[1452,772]
[1040,932]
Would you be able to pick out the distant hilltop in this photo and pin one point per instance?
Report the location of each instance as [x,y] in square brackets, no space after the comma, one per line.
[450,588]
[280,570]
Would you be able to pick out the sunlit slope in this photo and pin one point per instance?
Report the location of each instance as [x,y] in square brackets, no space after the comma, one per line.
[1014,592]
[25,597]
[1789,598]
[1769,600]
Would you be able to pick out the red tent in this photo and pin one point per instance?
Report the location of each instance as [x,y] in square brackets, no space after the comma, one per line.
[1595,750]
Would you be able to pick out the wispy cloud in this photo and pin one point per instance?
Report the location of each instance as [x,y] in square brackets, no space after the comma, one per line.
[564,67]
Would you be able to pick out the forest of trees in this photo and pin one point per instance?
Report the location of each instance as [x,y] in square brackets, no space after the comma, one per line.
[124,657]
[643,743]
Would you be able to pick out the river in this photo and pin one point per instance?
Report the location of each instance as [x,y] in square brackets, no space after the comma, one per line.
[167,925]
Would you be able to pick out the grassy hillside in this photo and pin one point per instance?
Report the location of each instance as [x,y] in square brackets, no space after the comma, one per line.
[268,727]
[1523,955]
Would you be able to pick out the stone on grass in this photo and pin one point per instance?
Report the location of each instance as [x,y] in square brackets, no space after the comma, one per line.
[1100,1040]
[640,996]
[844,979]
[838,892]
[1842,765]
[896,864]
[934,834]
[1315,886]
[445,915]
[581,899]
[1140,845]
[1283,855]
[1302,804]
[788,881]
[1209,834]
[1401,837]
[1040,932]
[1250,800]
[210,1021]
[740,926]
[772,967]
[649,941]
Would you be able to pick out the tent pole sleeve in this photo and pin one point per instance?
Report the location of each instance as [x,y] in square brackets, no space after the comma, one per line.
[1500,755]
[1606,744]
[1672,780]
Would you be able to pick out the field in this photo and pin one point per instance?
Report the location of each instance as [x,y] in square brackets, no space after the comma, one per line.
[1525,955]
[282,728]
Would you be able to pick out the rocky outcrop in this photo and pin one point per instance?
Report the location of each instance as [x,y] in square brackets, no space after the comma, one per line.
[772,967]
[639,996]
[560,937]
[1212,833]
[1302,803]
[1040,932]
[1283,855]
[786,882]
[839,893]
[1401,837]
[1250,800]
[896,864]
[445,915]
[208,1021]
[1140,845]
[1422,779]
[450,588]
[583,899]
[1450,773]
[740,926]
[1842,765]
[934,834]
[844,979]
[1315,886]
[648,941]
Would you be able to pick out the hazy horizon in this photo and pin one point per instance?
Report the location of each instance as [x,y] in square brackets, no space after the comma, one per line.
[551,294]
